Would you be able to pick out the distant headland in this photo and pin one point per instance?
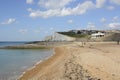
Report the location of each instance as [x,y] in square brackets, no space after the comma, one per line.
[68,37]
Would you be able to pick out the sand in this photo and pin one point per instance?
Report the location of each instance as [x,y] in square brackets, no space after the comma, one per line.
[94,61]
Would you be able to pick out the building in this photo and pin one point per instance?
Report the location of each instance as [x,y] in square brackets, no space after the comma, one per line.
[89,32]
[97,35]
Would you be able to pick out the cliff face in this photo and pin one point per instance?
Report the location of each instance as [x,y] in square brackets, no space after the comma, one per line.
[59,37]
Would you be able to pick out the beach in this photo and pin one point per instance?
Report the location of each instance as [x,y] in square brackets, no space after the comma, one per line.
[75,61]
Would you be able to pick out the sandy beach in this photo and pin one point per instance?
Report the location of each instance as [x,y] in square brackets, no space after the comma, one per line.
[93,61]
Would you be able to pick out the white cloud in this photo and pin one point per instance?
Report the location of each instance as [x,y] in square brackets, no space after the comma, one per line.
[115,19]
[9,21]
[51,28]
[78,10]
[100,3]
[110,7]
[91,26]
[54,4]
[103,20]
[70,21]
[23,31]
[114,25]
[54,8]
[29,9]
[37,31]
[115,2]
[29,1]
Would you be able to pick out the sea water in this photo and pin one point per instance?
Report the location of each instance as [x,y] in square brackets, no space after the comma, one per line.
[13,62]
[4,43]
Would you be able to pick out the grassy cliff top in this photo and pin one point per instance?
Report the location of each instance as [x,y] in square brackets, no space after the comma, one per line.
[72,34]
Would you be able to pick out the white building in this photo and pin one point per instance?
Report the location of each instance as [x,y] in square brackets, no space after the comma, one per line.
[97,35]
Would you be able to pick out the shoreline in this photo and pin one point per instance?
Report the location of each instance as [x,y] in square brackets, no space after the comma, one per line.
[92,59]
[37,65]
[34,66]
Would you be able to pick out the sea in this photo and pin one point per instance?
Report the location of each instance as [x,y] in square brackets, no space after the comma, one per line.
[14,62]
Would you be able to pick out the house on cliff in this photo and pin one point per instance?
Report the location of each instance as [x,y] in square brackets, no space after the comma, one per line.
[97,35]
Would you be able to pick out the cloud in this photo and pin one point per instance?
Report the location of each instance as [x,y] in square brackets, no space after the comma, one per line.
[103,20]
[100,3]
[29,1]
[51,28]
[70,21]
[78,10]
[115,19]
[114,25]
[9,21]
[115,2]
[91,26]
[55,8]
[37,31]
[29,9]
[110,7]
[54,4]
[23,31]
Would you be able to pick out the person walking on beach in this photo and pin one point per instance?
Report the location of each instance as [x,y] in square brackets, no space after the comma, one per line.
[83,43]
[118,42]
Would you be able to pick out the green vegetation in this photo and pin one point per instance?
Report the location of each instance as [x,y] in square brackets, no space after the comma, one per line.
[72,34]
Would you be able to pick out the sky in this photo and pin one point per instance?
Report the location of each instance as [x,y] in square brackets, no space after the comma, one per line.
[32,20]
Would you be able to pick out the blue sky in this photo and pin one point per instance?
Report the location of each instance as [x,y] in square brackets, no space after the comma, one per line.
[32,20]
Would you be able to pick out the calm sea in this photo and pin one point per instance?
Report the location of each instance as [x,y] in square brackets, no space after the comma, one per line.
[2,44]
[13,62]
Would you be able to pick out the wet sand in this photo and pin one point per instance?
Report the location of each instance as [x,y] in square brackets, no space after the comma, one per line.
[93,61]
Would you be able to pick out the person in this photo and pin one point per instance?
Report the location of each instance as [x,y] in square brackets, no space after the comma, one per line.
[83,43]
[118,42]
